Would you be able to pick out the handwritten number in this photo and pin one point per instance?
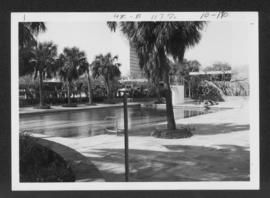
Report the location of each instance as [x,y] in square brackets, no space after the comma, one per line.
[204,15]
[219,15]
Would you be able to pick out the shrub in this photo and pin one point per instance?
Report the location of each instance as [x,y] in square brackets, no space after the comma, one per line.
[209,91]
[183,132]
[234,88]
[70,105]
[40,164]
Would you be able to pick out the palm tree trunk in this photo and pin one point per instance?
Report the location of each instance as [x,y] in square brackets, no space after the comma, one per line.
[159,94]
[169,106]
[168,94]
[108,90]
[68,92]
[189,89]
[90,95]
[40,89]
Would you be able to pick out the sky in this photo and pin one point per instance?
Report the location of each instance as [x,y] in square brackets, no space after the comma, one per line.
[220,42]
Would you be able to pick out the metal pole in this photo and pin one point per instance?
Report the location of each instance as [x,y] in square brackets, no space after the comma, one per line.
[126,138]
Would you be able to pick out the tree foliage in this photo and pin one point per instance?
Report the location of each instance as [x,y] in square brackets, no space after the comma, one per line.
[106,66]
[184,68]
[71,61]
[27,43]
[155,42]
[43,59]
[28,32]
[43,63]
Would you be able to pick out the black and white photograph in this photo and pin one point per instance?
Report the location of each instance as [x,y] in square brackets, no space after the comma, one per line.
[135,101]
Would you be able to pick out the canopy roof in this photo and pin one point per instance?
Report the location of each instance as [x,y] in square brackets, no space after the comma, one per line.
[133,80]
[209,73]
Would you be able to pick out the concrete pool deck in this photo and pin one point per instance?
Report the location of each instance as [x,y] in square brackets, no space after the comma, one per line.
[218,150]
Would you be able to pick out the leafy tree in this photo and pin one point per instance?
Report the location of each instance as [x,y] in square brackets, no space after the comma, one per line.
[154,43]
[43,62]
[71,60]
[107,67]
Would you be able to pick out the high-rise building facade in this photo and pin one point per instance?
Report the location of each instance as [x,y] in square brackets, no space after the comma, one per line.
[135,70]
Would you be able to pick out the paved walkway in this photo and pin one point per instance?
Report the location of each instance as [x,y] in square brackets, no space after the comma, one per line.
[218,151]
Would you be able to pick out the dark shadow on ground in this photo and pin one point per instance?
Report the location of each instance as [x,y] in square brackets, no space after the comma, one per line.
[82,167]
[179,163]
[212,129]
[199,129]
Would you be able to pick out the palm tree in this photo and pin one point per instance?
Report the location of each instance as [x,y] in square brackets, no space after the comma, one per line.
[43,60]
[107,67]
[28,32]
[71,60]
[155,42]
[85,68]
[27,42]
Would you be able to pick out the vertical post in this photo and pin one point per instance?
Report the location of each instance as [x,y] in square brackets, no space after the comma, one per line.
[126,138]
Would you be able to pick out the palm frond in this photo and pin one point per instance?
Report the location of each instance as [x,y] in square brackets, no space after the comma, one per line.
[156,41]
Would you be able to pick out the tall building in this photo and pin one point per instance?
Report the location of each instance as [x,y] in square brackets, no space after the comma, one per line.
[135,70]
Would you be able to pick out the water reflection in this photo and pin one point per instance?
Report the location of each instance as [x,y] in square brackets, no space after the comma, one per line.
[93,122]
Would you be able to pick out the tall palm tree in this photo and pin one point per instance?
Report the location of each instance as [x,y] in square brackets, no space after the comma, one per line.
[155,42]
[107,67]
[70,62]
[85,69]
[43,60]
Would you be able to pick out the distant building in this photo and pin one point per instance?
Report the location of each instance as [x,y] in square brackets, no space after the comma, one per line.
[135,70]
[213,75]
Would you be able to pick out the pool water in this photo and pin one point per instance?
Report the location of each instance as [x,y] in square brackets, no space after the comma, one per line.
[94,121]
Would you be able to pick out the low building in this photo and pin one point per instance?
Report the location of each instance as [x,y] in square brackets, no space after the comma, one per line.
[213,75]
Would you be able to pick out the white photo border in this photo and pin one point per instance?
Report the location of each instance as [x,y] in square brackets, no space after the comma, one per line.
[251,17]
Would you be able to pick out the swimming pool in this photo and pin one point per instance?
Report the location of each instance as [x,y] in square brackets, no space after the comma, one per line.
[91,122]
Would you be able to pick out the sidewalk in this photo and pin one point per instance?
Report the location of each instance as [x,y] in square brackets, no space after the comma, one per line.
[217,151]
